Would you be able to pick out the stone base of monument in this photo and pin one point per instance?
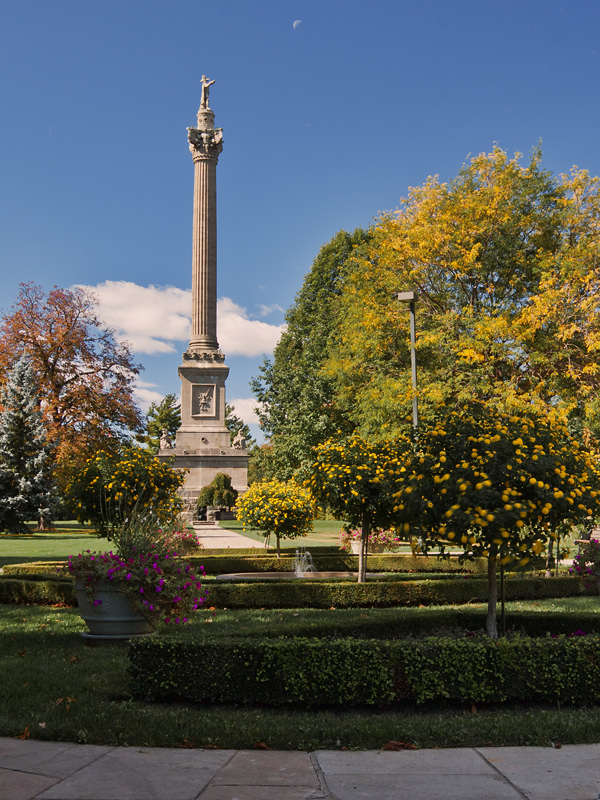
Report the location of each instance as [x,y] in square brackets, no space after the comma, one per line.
[203,465]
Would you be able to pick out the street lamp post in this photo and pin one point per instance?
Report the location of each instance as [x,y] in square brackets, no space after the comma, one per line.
[411,299]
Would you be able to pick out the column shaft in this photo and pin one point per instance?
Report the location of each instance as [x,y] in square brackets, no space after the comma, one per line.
[204,267]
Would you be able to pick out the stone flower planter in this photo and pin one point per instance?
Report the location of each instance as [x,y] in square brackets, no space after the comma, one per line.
[115,617]
[372,547]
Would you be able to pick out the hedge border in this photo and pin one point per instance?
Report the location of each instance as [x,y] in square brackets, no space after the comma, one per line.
[349,672]
[337,562]
[25,588]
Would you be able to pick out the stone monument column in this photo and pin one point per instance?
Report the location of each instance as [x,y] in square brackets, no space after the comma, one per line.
[206,143]
[203,443]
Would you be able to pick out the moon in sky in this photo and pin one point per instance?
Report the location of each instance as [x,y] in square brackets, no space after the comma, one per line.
[296,23]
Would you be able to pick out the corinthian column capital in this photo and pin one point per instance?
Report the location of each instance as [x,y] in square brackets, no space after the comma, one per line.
[205,145]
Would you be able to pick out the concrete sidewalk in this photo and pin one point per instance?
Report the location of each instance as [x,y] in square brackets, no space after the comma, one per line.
[211,536]
[61,771]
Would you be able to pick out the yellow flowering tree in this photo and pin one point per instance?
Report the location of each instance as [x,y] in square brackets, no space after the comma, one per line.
[279,507]
[504,260]
[497,485]
[356,480]
[111,487]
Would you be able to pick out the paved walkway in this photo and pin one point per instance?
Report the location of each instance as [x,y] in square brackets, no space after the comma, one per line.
[215,536]
[61,771]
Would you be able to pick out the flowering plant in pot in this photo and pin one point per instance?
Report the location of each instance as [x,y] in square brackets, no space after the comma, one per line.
[144,569]
[378,540]
[586,563]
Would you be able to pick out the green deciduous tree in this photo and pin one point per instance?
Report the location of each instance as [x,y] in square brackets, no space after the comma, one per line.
[298,404]
[26,486]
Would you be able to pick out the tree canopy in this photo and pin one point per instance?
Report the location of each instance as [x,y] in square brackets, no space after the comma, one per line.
[26,487]
[165,415]
[85,376]
[504,260]
[298,403]
[495,484]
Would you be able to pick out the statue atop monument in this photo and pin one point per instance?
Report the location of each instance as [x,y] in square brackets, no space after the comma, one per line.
[206,84]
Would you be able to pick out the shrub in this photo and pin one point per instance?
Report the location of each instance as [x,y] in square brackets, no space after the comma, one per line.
[350,672]
[37,590]
[284,509]
[313,593]
[112,487]
[261,561]
[218,493]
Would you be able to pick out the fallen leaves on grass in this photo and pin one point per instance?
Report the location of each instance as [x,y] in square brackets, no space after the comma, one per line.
[69,701]
[23,734]
[261,746]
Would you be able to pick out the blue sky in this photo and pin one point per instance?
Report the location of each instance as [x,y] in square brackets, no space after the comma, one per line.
[326,124]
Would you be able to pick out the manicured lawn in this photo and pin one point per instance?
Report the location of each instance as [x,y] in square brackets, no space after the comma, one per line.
[55,687]
[325,532]
[68,538]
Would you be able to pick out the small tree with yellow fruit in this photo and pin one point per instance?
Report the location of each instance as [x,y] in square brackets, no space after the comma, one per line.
[113,488]
[356,480]
[279,507]
[497,484]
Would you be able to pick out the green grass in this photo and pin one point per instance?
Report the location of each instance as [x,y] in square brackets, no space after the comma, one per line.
[68,538]
[57,688]
[325,532]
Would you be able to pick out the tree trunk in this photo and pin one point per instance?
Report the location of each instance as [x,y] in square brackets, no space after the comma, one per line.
[362,556]
[490,625]
[278,548]
[549,558]
[44,524]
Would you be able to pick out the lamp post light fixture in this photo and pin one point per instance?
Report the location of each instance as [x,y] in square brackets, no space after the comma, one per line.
[411,299]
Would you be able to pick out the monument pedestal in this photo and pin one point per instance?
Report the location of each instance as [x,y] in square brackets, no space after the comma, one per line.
[202,444]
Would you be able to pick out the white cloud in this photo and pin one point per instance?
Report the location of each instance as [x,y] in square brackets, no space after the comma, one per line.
[144,394]
[152,318]
[265,311]
[245,408]
[241,336]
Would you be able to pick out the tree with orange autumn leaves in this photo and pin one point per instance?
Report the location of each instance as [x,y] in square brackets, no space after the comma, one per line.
[85,376]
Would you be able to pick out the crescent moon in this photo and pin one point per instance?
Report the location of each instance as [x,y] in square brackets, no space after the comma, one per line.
[296,23]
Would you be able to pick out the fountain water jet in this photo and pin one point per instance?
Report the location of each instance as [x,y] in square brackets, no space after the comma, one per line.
[303,563]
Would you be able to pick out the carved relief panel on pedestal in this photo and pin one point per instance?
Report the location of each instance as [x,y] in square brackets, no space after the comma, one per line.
[204,403]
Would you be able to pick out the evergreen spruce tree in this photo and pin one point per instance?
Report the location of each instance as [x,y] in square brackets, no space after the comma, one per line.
[25,464]
[165,415]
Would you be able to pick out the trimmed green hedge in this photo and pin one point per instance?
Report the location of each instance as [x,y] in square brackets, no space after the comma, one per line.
[312,593]
[37,590]
[49,568]
[258,552]
[347,672]
[339,561]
